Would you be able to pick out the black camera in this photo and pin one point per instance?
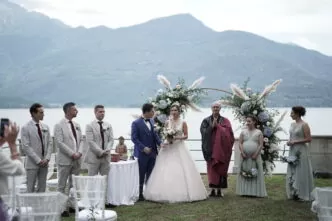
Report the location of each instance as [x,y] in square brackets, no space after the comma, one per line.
[4,122]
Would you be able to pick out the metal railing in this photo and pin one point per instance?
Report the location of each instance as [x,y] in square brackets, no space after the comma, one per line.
[131,148]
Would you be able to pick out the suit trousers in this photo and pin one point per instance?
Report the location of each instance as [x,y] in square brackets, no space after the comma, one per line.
[38,175]
[65,173]
[102,167]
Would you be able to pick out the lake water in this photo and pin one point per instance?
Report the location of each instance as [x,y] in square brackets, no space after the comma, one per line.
[319,119]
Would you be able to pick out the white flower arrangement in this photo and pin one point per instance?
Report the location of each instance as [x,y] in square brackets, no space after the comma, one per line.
[292,160]
[181,95]
[245,102]
[251,173]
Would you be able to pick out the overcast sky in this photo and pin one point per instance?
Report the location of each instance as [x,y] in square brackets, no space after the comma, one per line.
[304,22]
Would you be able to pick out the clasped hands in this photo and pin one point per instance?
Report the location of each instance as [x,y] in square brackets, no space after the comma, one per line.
[148,150]
[105,153]
[76,156]
[43,163]
[245,156]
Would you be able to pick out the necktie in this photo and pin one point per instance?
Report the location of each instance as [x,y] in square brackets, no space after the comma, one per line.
[73,130]
[102,134]
[41,138]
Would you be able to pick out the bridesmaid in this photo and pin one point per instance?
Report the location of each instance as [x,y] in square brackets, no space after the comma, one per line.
[251,144]
[299,178]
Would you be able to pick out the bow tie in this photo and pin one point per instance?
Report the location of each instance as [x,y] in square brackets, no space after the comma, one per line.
[146,120]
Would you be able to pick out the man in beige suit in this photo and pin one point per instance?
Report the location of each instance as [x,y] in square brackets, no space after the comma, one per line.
[99,136]
[37,146]
[69,141]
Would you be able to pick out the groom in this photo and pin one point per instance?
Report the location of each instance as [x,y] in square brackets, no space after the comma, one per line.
[146,141]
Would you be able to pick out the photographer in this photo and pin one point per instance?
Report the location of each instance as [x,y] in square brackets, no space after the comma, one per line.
[9,166]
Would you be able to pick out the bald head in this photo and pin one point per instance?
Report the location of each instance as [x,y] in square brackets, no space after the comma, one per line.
[216,104]
[215,107]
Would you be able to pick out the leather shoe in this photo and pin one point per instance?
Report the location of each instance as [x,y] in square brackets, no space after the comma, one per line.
[65,214]
[109,206]
[141,198]
[71,210]
[213,193]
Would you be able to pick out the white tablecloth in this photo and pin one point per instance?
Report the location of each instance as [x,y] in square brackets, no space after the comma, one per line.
[123,183]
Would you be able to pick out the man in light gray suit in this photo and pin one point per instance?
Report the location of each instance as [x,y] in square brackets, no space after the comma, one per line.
[37,146]
[69,141]
[99,136]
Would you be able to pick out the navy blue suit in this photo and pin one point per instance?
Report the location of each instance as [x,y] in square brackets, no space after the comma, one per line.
[142,137]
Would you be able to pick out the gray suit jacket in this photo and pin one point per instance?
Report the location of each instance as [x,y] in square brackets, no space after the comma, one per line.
[32,146]
[65,142]
[93,138]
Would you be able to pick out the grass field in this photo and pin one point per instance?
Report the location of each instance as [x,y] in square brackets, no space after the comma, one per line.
[231,208]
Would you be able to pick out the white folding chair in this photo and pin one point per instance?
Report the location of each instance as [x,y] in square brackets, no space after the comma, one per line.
[52,183]
[323,203]
[89,193]
[41,206]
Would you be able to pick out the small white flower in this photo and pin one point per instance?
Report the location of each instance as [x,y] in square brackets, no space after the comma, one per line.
[157,112]
[266,139]
[268,123]
[178,86]
[254,112]
[262,151]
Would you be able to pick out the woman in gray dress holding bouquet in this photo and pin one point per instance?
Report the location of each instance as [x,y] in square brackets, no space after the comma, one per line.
[250,180]
[299,178]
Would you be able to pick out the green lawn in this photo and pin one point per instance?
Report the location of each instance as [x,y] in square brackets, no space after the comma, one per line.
[274,208]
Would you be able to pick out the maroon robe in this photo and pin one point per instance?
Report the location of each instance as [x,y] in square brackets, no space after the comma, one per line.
[222,140]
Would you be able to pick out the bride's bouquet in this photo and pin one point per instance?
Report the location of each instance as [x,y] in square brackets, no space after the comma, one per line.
[169,134]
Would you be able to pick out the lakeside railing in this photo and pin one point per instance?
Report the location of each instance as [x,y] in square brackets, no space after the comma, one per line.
[320,154]
[188,141]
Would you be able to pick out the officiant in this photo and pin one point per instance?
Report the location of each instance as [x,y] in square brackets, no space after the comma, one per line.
[217,143]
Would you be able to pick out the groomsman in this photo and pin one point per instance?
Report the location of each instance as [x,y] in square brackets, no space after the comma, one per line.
[37,146]
[69,141]
[99,136]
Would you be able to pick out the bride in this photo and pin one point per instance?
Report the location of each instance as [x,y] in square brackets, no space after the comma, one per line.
[175,177]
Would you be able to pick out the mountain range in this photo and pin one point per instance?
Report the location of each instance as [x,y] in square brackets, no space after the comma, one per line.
[44,60]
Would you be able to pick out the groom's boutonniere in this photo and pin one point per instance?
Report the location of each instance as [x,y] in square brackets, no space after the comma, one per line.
[44,130]
[106,129]
[77,128]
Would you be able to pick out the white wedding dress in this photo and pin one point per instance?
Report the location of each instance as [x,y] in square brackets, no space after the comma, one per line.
[175,177]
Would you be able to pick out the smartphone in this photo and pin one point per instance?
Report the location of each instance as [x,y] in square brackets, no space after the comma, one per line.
[3,123]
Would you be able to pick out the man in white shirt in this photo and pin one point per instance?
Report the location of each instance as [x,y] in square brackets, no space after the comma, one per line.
[99,136]
[37,146]
[69,141]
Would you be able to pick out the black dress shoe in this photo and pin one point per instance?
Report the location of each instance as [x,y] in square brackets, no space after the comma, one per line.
[141,198]
[220,194]
[71,210]
[213,193]
[109,206]
[65,214]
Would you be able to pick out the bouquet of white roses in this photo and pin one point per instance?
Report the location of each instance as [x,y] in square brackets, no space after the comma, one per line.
[169,134]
